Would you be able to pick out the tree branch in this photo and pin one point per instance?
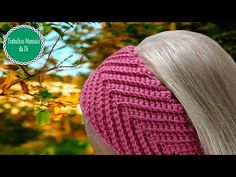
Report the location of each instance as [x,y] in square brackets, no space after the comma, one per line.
[24,70]
[64,60]
[51,69]
[50,52]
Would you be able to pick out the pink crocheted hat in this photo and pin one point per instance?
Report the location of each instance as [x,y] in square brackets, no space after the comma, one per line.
[133,111]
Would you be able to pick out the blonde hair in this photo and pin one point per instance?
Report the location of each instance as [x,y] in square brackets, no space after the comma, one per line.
[202,76]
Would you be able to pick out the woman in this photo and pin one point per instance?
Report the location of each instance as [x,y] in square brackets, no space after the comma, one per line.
[174,93]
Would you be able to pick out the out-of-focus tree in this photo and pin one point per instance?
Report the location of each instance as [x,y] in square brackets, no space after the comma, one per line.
[115,35]
[39,111]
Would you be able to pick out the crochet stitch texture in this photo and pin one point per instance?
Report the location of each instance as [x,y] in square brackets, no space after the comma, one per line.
[133,111]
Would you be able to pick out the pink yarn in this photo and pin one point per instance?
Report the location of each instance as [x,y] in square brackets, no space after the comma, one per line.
[133,111]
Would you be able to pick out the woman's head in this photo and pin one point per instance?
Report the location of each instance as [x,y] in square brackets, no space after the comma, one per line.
[172,94]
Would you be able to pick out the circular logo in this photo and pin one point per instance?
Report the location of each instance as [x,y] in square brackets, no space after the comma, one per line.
[23,44]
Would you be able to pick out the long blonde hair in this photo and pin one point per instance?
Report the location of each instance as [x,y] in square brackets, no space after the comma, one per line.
[202,76]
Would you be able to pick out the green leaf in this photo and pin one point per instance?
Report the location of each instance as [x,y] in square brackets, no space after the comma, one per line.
[35,25]
[21,73]
[6,27]
[43,117]
[46,29]
[46,95]
[59,31]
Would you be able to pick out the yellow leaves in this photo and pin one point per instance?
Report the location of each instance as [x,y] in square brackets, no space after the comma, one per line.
[89,150]
[77,119]
[72,100]
[35,88]
[57,110]
[52,105]
[52,61]
[7,83]
[58,113]
[62,105]
[33,144]
[56,129]
[14,110]
[56,117]
[172,26]
[24,87]
[120,25]
[79,135]
[9,67]
[104,24]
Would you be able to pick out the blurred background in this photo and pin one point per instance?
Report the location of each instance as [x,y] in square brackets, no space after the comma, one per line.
[39,103]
